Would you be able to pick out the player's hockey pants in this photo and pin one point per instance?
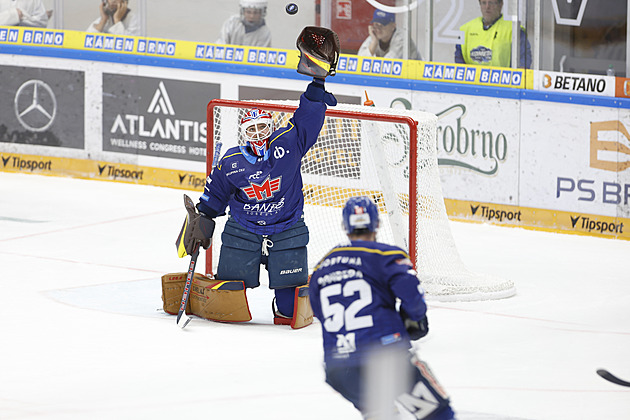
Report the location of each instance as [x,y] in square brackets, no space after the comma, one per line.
[242,253]
[425,400]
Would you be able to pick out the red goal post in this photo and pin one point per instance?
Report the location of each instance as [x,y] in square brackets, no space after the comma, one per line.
[388,154]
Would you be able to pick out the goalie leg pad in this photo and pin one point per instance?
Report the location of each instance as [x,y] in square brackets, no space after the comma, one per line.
[240,256]
[287,263]
[211,299]
[172,291]
[302,311]
[219,300]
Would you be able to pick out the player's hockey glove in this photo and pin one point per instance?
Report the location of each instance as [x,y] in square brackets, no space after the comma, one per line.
[319,52]
[197,228]
[415,329]
[315,92]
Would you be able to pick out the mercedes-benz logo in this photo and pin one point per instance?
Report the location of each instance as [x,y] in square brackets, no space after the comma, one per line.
[35,105]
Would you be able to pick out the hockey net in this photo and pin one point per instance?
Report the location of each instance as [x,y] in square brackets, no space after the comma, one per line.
[387,154]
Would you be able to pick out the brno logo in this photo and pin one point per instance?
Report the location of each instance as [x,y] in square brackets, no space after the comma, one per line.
[473,149]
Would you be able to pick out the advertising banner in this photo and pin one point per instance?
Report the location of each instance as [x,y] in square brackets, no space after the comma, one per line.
[477,142]
[42,106]
[577,161]
[589,84]
[156,117]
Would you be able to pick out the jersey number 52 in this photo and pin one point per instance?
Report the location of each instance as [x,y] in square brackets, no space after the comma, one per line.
[337,315]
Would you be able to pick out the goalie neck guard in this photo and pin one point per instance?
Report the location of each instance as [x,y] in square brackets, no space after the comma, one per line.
[360,214]
[256,128]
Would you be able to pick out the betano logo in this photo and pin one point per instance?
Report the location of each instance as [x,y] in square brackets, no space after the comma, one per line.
[613,134]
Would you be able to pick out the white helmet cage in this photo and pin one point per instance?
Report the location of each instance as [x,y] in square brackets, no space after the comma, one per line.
[254,4]
[256,128]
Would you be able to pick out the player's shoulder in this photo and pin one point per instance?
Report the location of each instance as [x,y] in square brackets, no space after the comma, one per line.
[231,154]
[377,247]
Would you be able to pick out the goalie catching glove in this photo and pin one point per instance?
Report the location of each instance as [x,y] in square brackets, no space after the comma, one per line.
[197,228]
[319,48]
[415,329]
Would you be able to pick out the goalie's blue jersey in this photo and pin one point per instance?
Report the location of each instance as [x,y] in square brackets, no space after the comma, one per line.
[353,293]
[265,193]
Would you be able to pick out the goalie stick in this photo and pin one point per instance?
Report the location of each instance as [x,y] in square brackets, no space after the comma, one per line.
[182,318]
[612,378]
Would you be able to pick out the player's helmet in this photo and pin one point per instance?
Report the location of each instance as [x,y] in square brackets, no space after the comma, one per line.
[254,4]
[360,213]
[256,128]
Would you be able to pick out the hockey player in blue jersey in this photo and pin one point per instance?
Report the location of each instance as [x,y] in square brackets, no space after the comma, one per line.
[261,183]
[353,292]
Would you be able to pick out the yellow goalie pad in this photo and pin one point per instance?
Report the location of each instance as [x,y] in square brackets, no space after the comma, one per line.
[213,299]
[302,311]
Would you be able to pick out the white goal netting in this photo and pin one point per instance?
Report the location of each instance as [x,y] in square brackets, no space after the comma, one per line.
[388,154]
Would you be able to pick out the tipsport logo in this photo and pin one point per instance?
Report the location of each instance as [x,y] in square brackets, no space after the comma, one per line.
[191,180]
[489,213]
[112,171]
[26,165]
[589,225]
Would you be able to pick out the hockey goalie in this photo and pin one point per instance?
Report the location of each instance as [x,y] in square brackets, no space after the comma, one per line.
[261,184]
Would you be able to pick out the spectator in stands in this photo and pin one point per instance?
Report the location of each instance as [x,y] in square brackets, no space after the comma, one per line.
[116,18]
[247,28]
[385,41]
[488,39]
[23,13]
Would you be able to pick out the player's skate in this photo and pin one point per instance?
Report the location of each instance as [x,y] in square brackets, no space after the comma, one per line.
[302,311]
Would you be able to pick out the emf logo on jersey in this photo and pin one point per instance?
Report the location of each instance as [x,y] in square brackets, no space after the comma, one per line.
[262,191]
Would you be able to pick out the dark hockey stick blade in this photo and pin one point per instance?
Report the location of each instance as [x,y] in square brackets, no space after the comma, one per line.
[612,378]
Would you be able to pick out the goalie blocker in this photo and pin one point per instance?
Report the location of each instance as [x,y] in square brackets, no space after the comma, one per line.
[225,300]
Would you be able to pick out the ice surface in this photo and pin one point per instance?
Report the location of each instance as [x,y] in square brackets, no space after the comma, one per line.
[83,336]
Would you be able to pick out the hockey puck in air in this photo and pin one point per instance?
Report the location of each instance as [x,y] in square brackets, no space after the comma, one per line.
[291,8]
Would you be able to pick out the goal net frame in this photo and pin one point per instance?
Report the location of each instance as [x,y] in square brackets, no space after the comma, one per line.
[456,282]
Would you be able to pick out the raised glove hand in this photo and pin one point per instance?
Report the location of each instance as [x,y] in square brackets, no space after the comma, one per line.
[319,52]
[315,92]
[415,329]
[197,228]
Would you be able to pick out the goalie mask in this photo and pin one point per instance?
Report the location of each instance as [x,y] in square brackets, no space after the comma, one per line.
[360,213]
[256,128]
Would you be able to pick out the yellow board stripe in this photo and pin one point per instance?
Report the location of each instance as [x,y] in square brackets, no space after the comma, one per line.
[469,211]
